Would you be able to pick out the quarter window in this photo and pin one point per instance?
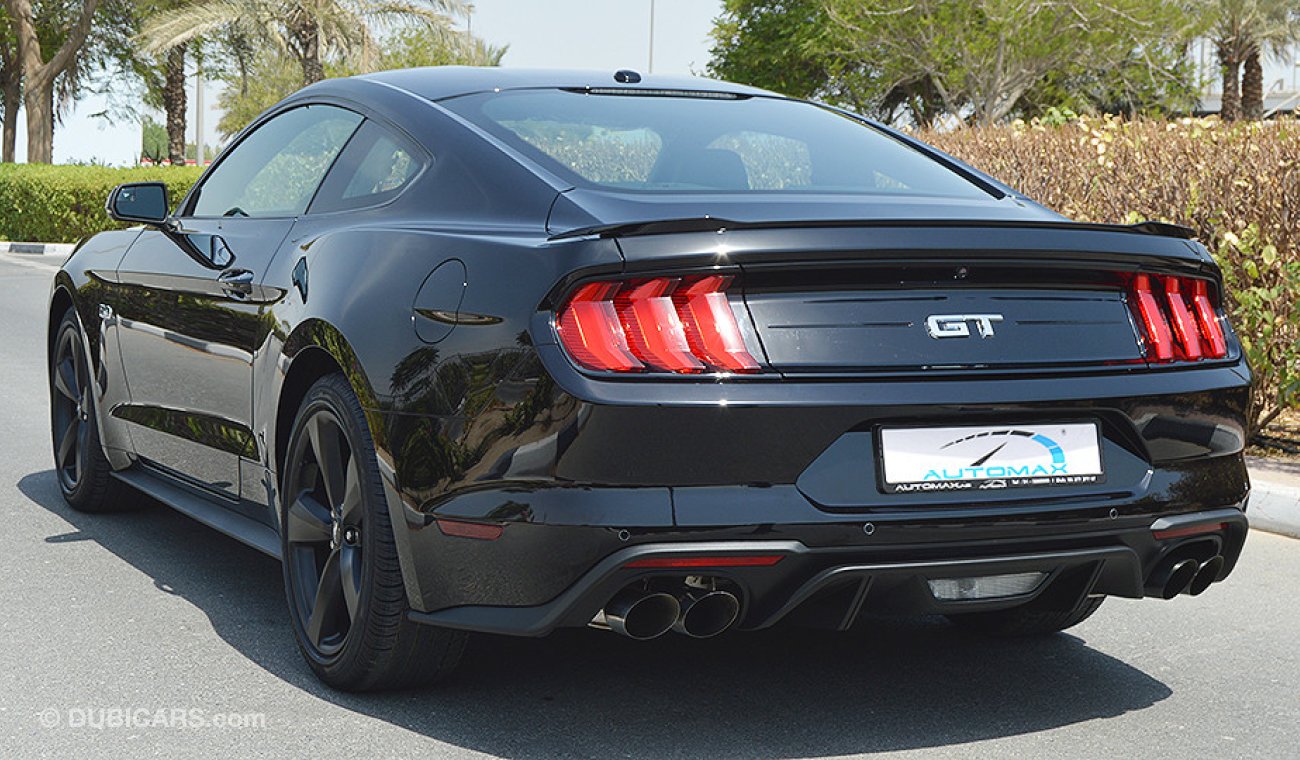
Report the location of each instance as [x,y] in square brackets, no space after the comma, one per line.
[275,170]
[374,168]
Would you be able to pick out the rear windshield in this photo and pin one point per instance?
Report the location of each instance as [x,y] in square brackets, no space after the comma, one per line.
[707,142]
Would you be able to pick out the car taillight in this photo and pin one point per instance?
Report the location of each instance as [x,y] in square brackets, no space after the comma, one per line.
[682,325]
[1178,319]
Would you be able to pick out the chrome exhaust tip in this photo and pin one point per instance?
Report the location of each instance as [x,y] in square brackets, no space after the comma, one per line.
[705,614]
[1209,573]
[641,615]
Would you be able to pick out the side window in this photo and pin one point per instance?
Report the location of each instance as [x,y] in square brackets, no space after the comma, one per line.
[276,169]
[374,168]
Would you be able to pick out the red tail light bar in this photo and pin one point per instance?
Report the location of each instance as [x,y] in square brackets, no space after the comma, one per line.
[1177,318]
[665,324]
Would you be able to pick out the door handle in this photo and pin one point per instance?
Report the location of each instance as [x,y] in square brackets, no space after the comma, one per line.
[238,281]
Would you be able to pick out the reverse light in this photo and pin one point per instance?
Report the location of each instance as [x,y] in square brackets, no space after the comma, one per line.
[682,325]
[1179,320]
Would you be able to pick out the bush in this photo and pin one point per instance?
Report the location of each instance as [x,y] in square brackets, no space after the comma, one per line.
[1236,185]
[62,204]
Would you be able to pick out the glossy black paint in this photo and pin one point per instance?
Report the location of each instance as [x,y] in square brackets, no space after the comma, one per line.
[437,307]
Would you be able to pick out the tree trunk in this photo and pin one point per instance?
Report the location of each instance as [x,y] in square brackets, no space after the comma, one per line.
[173,96]
[1230,109]
[1252,87]
[11,94]
[38,102]
[306,47]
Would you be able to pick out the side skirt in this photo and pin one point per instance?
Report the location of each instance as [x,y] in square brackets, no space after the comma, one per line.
[257,535]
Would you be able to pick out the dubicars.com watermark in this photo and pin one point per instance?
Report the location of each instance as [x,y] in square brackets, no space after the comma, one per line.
[109,718]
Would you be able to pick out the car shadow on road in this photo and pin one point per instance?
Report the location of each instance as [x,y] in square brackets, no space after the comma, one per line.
[787,693]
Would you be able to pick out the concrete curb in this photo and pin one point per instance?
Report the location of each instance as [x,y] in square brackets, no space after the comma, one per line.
[1274,503]
[37,249]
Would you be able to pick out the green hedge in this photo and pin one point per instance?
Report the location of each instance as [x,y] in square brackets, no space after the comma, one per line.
[62,204]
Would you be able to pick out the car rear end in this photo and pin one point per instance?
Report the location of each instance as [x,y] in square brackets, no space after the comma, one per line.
[893,419]
[815,405]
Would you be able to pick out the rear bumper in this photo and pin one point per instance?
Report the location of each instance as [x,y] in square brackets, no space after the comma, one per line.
[832,586]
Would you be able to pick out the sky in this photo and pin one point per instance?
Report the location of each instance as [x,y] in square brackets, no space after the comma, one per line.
[599,34]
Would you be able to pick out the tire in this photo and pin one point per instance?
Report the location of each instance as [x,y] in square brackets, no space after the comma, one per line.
[347,601]
[85,477]
[1027,621]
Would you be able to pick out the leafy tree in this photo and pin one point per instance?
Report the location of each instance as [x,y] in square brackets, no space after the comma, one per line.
[259,81]
[43,62]
[310,32]
[983,56]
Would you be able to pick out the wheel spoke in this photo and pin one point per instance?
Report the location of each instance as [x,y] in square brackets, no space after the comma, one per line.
[61,383]
[81,447]
[68,441]
[325,608]
[350,575]
[351,507]
[308,521]
[326,441]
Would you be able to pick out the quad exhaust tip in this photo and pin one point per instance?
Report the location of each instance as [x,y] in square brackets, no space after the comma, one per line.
[640,615]
[1172,578]
[705,614]
[1209,573]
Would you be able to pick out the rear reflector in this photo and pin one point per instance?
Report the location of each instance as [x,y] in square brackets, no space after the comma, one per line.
[1178,318]
[663,324]
[1190,530]
[462,529]
[762,560]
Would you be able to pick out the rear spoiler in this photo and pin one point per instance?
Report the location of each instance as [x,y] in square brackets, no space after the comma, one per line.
[714,224]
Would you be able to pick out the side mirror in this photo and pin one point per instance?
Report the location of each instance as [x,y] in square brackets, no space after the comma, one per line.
[140,202]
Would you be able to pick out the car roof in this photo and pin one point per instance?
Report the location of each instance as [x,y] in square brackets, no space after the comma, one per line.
[438,82]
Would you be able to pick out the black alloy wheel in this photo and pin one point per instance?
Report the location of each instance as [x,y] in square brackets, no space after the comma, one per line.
[323,529]
[346,596]
[84,474]
[70,407]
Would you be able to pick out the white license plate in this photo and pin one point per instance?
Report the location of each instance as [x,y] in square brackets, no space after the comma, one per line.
[918,460]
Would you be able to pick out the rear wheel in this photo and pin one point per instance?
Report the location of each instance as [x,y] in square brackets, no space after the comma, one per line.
[84,474]
[1028,620]
[347,600]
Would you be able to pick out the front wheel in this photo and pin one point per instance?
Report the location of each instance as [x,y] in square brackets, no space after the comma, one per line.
[346,597]
[84,474]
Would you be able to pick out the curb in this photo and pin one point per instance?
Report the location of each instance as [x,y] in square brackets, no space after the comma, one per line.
[1274,507]
[37,249]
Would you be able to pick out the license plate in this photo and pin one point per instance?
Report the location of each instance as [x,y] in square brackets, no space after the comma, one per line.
[931,459]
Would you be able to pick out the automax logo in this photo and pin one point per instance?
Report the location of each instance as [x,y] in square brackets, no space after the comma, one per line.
[978,470]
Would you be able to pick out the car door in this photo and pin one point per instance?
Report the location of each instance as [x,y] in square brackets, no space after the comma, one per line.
[191,300]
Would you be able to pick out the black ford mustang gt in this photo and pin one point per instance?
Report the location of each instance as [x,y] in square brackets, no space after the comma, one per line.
[507,351]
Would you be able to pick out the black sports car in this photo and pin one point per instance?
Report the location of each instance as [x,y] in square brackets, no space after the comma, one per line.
[507,351]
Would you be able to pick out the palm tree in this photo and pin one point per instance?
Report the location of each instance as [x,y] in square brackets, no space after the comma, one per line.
[1278,28]
[1242,30]
[309,31]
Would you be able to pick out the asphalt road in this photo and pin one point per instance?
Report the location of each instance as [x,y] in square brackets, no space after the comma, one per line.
[121,636]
